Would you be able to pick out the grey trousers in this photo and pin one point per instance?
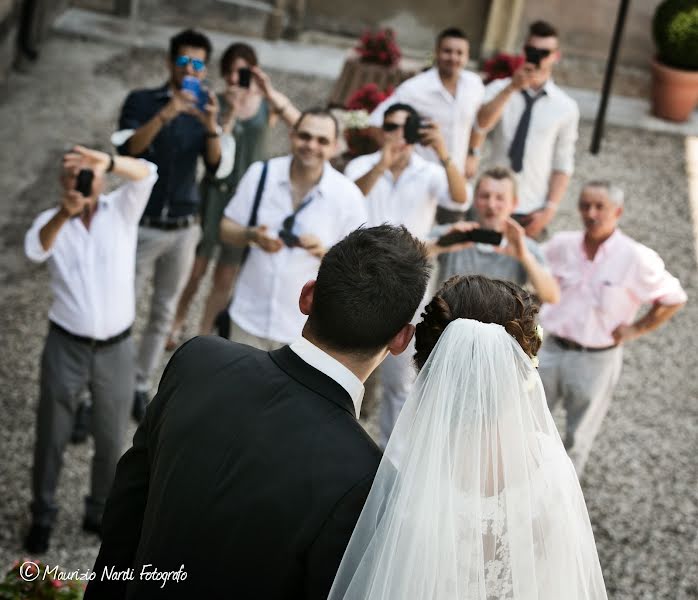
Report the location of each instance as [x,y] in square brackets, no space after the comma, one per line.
[584,382]
[397,375]
[239,335]
[67,366]
[169,256]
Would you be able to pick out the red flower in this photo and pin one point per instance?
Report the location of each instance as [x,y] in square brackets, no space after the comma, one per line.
[379,47]
[501,65]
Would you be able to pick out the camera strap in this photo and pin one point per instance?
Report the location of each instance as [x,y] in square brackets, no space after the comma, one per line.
[252,222]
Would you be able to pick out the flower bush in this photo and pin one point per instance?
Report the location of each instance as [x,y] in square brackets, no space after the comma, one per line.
[44,586]
[379,48]
[367,97]
[502,65]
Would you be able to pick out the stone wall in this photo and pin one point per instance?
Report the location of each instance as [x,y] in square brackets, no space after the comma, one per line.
[416,21]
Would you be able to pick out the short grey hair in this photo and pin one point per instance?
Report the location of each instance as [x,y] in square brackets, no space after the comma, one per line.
[614,193]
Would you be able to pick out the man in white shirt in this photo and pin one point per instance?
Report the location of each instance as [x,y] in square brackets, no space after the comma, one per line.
[534,129]
[402,188]
[89,242]
[305,207]
[450,96]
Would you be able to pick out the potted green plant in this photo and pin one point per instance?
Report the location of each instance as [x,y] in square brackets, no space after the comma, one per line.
[675,68]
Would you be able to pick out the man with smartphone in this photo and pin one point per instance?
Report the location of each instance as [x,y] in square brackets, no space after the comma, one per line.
[288,211]
[402,188]
[534,129]
[495,245]
[172,126]
[89,244]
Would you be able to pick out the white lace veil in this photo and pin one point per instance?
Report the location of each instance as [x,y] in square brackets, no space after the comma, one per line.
[475,498]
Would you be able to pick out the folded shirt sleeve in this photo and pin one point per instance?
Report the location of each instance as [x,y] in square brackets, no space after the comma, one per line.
[32,244]
[563,154]
[651,282]
[240,205]
[132,197]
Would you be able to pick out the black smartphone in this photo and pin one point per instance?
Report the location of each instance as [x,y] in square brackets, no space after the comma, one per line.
[535,55]
[479,236]
[83,183]
[244,77]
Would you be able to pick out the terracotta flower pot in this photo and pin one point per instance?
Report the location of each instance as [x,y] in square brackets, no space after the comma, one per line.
[674,92]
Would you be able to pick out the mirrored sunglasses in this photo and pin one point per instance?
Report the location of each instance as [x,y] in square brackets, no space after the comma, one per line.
[183,61]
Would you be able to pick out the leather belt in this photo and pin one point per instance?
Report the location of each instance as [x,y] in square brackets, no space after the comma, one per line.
[572,345]
[169,224]
[91,341]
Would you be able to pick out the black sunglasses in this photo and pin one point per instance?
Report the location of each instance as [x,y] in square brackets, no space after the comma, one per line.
[391,126]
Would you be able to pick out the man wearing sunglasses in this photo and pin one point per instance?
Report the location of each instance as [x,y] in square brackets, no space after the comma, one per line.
[305,207]
[534,129]
[171,127]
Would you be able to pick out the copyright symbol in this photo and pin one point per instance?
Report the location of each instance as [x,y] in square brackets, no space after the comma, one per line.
[29,571]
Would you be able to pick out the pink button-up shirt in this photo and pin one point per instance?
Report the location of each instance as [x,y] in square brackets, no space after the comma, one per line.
[596,296]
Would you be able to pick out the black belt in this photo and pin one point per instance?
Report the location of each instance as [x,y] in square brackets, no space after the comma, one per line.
[169,224]
[570,345]
[91,341]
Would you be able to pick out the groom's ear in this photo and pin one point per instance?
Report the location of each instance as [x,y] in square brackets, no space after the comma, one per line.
[401,340]
[305,301]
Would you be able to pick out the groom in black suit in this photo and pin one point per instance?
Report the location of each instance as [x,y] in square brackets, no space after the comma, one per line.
[250,468]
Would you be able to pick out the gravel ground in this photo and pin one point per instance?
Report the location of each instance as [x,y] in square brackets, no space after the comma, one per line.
[640,482]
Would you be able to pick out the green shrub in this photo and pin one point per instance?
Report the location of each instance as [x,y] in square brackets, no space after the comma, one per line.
[675,31]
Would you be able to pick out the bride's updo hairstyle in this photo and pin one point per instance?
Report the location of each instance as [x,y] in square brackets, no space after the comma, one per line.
[482,299]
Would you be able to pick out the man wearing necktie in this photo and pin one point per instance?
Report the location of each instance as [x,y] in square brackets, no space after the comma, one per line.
[534,129]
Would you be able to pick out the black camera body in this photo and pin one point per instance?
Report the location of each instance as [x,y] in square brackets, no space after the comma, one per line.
[413,124]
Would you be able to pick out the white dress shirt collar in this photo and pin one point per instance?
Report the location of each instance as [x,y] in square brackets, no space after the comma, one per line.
[331,367]
[436,84]
[323,187]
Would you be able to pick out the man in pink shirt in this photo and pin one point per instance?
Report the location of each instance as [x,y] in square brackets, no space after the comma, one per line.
[604,278]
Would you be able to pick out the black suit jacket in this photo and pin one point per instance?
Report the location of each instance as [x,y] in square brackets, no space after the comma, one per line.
[249,469]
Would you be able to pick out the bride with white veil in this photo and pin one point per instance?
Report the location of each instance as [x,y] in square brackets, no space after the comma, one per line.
[475,498]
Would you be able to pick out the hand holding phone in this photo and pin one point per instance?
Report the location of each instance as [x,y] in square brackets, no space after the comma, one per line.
[193,85]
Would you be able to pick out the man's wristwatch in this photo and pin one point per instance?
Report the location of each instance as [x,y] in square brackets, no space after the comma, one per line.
[250,234]
[474,152]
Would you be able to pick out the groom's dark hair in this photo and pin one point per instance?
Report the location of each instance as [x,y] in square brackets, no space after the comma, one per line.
[368,288]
